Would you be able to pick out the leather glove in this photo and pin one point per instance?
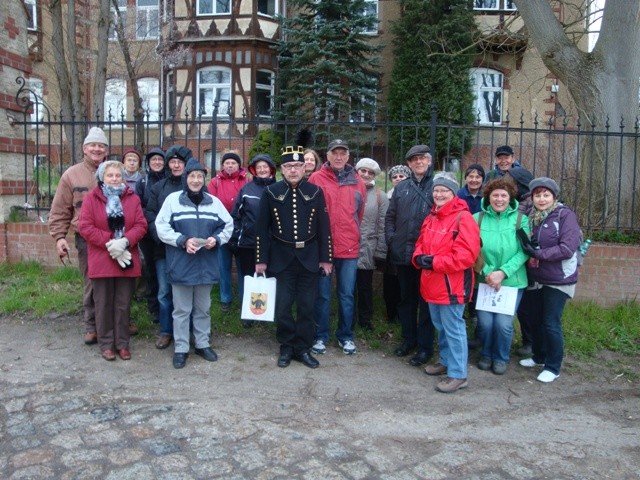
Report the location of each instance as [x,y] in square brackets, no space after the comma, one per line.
[380,263]
[117,246]
[424,261]
[529,246]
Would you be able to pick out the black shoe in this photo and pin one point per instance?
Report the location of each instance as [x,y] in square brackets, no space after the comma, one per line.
[207,353]
[419,358]
[284,359]
[307,359]
[247,323]
[180,360]
[403,350]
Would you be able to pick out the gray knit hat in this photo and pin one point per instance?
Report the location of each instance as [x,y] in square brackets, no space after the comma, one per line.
[545,182]
[369,163]
[447,180]
[96,135]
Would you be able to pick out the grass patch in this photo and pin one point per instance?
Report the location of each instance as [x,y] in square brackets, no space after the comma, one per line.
[29,288]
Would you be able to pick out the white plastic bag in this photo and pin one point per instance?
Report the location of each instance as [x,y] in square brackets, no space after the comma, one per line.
[259,299]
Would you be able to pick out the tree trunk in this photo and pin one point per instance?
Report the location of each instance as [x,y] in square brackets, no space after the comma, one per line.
[68,85]
[604,85]
[100,77]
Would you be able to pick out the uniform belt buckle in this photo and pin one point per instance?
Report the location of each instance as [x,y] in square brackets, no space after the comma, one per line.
[299,244]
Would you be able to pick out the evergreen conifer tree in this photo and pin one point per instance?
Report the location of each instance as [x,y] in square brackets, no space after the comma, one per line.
[433,52]
[327,64]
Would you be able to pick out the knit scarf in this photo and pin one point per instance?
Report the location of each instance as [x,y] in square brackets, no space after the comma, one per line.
[115,214]
[536,217]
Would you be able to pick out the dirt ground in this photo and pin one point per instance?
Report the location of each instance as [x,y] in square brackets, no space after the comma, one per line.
[66,413]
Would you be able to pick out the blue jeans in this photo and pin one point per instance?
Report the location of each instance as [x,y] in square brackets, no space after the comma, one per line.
[165,298]
[547,305]
[224,266]
[452,338]
[346,269]
[495,331]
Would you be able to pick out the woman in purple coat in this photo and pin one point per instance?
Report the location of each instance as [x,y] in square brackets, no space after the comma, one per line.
[552,271]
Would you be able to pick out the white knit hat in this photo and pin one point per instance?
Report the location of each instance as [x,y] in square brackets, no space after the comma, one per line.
[369,163]
[96,135]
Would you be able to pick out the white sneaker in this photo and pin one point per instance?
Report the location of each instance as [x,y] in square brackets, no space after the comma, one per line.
[319,347]
[547,377]
[348,347]
[529,363]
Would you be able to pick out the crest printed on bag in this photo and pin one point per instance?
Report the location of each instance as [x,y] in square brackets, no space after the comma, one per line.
[258,303]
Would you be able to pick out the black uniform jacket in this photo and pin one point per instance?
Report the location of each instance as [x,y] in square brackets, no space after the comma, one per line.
[293,223]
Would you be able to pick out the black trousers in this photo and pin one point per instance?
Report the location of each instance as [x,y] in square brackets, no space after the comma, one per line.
[147,247]
[417,329]
[295,285]
[391,294]
[364,292]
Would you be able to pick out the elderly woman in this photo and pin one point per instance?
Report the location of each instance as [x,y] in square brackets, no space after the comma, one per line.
[504,265]
[552,271]
[312,162]
[112,222]
[373,248]
[245,213]
[446,250]
[131,159]
[397,173]
[193,224]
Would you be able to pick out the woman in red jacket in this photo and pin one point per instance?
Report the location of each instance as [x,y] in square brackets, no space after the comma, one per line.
[112,222]
[446,250]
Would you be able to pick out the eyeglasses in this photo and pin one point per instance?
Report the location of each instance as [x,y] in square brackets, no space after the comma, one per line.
[62,257]
[442,192]
[400,176]
[364,171]
[291,166]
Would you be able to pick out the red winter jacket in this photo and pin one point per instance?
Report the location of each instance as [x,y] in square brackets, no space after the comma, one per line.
[94,229]
[225,187]
[451,281]
[345,195]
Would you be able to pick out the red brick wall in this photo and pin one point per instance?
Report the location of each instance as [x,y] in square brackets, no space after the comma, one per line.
[610,274]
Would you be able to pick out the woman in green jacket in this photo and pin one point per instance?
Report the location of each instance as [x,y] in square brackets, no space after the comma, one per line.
[504,265]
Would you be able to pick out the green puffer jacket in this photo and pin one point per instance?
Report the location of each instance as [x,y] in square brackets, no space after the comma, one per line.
[500,246]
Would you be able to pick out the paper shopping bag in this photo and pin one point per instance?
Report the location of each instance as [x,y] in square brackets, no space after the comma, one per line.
[259,299]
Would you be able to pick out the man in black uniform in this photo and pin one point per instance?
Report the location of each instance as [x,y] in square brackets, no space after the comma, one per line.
[293,243]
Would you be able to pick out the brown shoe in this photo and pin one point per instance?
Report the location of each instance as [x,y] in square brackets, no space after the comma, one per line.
[163,341]
[124,353]
[133,329]
[90,338]
[108,355]
[450,385]
[435,369]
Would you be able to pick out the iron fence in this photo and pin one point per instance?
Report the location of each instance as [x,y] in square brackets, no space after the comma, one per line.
[595,164]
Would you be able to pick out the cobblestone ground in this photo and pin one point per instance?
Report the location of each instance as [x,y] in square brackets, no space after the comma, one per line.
[68,414]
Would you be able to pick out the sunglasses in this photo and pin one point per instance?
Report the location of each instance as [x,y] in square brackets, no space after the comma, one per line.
[398,176]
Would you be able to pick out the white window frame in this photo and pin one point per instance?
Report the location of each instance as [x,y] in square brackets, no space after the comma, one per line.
[262,88]
[272,7]
[147,20]
[201,4]
[37,104]
[149,90]
[372,9]
[495,5]
[32,7]
[122,7]
[488,88]
[223,86]
[115,100]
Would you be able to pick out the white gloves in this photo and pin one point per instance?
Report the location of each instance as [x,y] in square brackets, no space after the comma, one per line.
[124,260]
[117,247]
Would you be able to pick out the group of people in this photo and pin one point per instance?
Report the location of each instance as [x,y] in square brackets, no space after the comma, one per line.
[433,240]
